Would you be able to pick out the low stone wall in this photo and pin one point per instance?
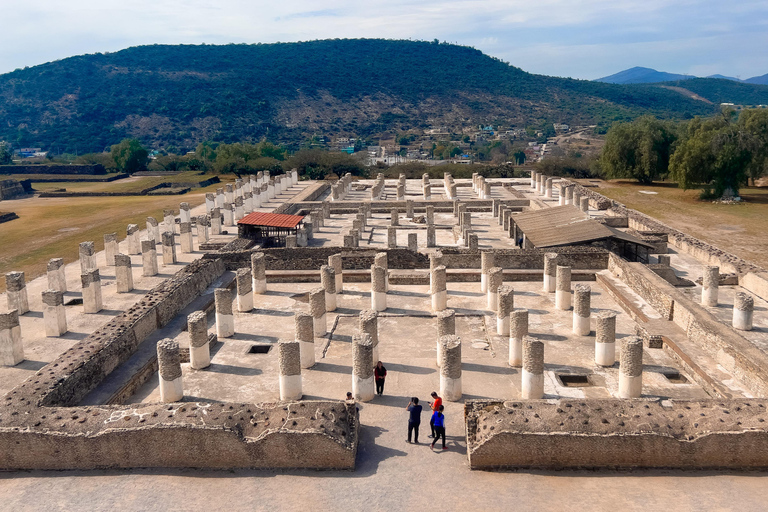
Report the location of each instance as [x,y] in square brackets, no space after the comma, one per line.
[617,434]
[11,189]
[756,283]
[646,283]
[7,216]
[52,169]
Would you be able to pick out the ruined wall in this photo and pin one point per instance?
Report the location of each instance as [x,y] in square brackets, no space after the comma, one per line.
[617,434]
[755,282]
[52,169]
[11,189]
[646,283]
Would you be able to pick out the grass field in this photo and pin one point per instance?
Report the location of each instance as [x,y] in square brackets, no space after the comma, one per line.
[126,185]
[741,229]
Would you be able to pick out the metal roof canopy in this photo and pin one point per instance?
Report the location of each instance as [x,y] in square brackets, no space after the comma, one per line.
[566,225]
[273,220]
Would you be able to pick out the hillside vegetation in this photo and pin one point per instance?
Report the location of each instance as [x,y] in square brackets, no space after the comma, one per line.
[177,96]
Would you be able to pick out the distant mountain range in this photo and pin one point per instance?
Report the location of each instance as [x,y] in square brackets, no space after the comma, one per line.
[640,75]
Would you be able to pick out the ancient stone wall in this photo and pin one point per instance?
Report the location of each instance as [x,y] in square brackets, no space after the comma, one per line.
[11,189]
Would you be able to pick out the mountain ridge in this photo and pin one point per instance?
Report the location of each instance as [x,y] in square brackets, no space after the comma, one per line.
[641,75]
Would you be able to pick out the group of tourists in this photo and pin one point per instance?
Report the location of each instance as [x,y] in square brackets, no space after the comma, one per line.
[436,422]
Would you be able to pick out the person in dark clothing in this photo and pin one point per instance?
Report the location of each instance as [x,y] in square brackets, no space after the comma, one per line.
[439,422]
[414,420]
[379,373]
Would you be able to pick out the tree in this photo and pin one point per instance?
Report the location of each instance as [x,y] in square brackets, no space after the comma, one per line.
[6,157]
[130,156]
[639,150]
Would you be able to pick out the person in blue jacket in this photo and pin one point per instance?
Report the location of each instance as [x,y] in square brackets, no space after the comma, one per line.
[438,419]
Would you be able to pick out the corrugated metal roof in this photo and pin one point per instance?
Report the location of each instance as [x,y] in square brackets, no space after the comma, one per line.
[274,220]
[565,225]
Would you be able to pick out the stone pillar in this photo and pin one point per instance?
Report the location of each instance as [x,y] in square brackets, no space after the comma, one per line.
[185,238]
[533,369]
[16,292]
[123,273]
[239,208]
[335,262]
[11,347]
[305,335]
[495,280]
[216,221]
[450,368]
[169,249]
[631,368]
[381,259]
[289,358]
[199,349]
[533,179]
[394,218]
[259,273]
[518,330]
[584,204]
[582,295]
[229,215]
[225,319]
[169,219]
[446,325]
[87,257]
[210,202]
[57,280]
[134,242]
[378,288]
[437,279]
[486,190]
[184,212]
[506,220]
[229,193]
[569,194]
[561,196]
[506,304]
[409,208]
[309,230]
[605,338]
[430,215]
[220,198]
[148,258]
[291,242]
[244,290]
[392,237]
[550,271]
[110,248]
[169,370]
[576,199]
[486,263]
[54,316]
[427,191]
[317,308]
[153,229]
[563,284]
[369,325]
[743,310]
[431,236]
[363,387]
[710,284]
[91,283]
[548,188]
[328,282]
[413,244]
[202,229]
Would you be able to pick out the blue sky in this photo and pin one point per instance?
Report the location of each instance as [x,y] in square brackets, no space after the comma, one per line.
[577,38]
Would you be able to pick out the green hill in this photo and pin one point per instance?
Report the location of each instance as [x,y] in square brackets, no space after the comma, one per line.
[180,95]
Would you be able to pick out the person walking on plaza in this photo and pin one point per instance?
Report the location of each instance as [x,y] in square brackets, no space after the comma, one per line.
[414,419]
[438,420]
[379,373]
[435,404]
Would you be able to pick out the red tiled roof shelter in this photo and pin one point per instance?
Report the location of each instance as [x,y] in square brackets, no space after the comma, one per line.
[271,229]
[274,220]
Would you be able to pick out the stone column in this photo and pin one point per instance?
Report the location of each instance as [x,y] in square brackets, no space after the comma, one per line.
[184,212]
[743,310]
[437,279]
[57,280]
[605,338]
[134,242]
[394,218]
[239,209]
[495,280]
[16,292]
[148,258]
[220,198]
[518,330]
[561,195]
[427,191]
[450,368]
[487,260]
[430,215]
[87,257]
[486,190]
[169,219]
[548,188]
[225,320]
[576,199]
[91,282]
[381,259]
[582,295]
[378,288]
[169,249]
[363,387]
[392,237]
[203,221]
[413,244]
[317,308]
[550,271]
[569,194]
[259,273]
[584,204]
[369,325]
[123,273]
[335,262]
[244,290]
[11,347]
[229,215]
[631,368]
[305,335]
[216,221]
[309,229]
[533,179]
[169,370]
[409,208]
[506,304]
[431,236]
[210,202]
[110,248]
[199,349]
[710,284]
[446,325]
[533,369]
[563,284]
[289,358]
[328,282]
[54,316]
[185,237]
[229,193]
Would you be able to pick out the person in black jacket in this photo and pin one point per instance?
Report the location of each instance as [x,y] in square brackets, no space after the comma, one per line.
[379,373]
[414,419]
